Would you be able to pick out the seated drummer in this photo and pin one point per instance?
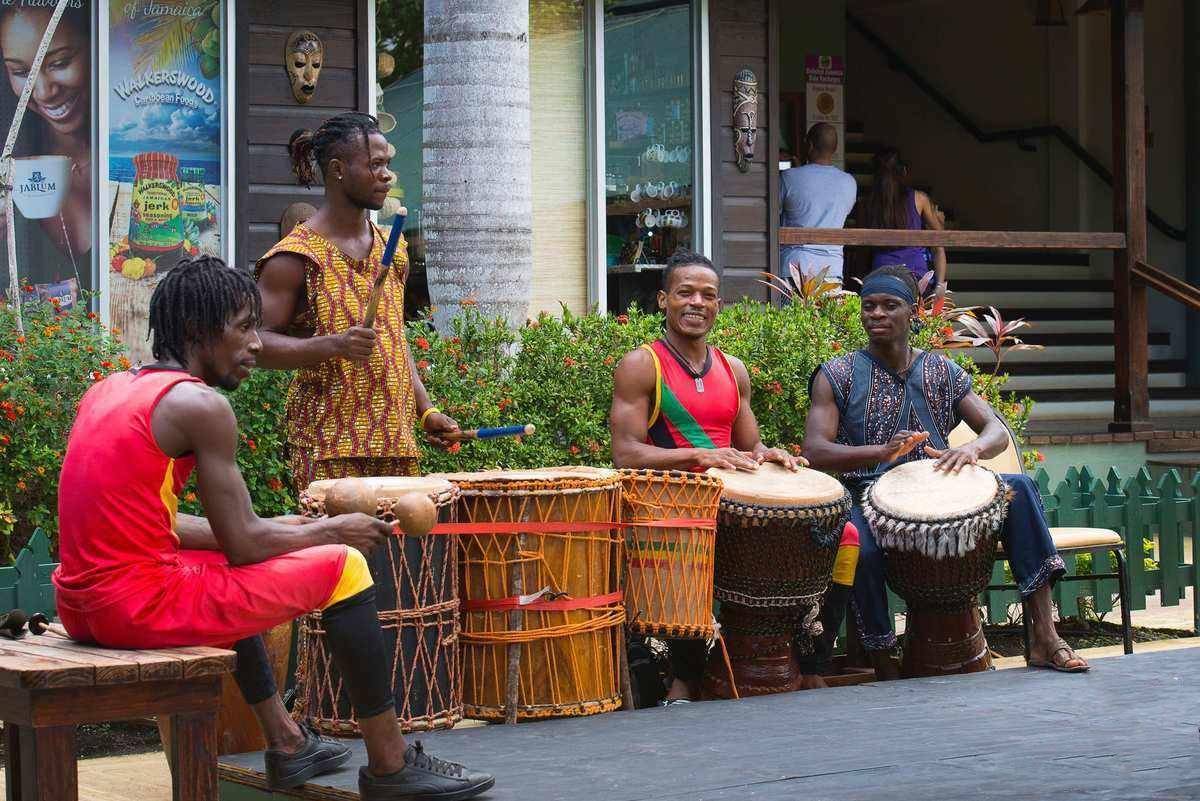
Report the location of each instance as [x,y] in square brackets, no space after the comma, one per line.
[135,573]
[854,428]
[681,404]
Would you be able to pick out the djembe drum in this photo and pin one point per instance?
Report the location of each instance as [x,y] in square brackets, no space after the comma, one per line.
[938,532]
[777,538]
[542,611]
[670,520]
[416,592]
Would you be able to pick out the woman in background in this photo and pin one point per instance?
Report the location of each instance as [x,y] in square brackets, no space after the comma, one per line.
[54,254]
[891,203]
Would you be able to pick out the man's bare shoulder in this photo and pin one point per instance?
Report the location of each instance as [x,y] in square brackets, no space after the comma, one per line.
[193,401]
[635,370]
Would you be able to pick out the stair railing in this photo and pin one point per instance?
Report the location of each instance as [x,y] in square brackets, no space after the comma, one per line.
[1167,284]
[1018,135]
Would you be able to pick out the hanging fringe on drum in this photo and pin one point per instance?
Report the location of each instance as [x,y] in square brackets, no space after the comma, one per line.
[938,539]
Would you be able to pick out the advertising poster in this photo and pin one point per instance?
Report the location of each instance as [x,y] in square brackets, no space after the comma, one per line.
[164,98]
[825,77]
[52,186]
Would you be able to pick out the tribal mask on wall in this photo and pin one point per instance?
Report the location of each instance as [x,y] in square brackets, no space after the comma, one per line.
[745,117]
[303,57]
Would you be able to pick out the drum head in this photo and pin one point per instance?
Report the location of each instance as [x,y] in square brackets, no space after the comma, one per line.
[915,491]
[388,486]
[570,472]
[774,485]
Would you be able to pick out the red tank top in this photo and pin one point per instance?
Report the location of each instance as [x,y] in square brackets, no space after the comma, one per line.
[118,492]
[685,417]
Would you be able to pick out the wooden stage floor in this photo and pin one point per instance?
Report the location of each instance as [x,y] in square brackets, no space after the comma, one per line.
[1130,729]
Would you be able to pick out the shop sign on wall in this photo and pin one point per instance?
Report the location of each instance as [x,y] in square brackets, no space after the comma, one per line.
[825,77]
[164,190]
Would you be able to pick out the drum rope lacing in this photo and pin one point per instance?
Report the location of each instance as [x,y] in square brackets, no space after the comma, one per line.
[939,539]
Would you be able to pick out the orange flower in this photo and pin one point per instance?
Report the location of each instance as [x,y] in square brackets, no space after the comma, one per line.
[96,375]
[6,356]
[462,368]
[569,362]
[947,331]
[124,362]
[795,449]
[107,365]
[275,484]
[190,497]
[22,486]
[55,302]
[251,444]
[622,319]
[837,346]
[754,369]
[422,343]
[20,340]
[423,364]
[455,448]
[1041,457]
[505,403]
[609,361]
[115,331]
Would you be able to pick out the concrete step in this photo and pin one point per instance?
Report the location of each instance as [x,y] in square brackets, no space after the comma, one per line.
[1064,354]
[1100,326]
[1013,299]
[1087,368]
[1053,410]
[1067,382]
[1039,273]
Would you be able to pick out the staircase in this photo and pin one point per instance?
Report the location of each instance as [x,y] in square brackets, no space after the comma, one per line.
[1069,304]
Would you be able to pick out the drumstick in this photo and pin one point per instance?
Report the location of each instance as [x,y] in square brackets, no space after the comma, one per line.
[490,433]
[389,252]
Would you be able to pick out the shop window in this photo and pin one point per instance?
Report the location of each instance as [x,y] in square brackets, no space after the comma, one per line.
[53,169]
[649,143]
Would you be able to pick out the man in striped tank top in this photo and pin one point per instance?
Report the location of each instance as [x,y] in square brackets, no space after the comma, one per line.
[681,404]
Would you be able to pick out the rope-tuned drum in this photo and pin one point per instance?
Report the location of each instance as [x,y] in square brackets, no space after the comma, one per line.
[939,532]
[777,538]
[669,519]
[416,584]
[542,611]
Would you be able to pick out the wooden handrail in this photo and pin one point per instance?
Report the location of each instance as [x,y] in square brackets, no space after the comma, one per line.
[891,237]
[1169,285]
[1017,135]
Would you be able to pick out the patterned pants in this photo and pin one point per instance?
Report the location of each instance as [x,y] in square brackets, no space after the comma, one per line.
[306,470]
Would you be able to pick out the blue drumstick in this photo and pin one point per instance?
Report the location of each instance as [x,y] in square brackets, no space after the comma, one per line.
[389,252]
[492,433]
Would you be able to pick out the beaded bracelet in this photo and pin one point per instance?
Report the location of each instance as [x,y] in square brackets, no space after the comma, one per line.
[429,411]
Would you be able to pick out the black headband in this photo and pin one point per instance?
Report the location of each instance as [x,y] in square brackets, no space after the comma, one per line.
[884,284]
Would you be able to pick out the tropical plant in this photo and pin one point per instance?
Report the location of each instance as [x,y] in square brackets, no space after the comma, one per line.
[993,333]
[801,288]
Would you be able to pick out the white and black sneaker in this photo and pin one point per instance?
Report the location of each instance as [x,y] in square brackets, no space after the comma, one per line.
[318,755]
[423,778]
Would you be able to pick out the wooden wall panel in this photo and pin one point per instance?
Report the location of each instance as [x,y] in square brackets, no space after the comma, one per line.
[743,228]
[267,114]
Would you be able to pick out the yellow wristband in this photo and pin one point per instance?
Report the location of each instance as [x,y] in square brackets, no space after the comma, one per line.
[429,411]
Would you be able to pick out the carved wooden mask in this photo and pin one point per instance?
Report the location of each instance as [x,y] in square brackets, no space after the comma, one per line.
[745,117]
[303,57]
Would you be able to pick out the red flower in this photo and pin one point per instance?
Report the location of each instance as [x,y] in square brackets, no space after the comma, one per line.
[20,340]
[21,485]
[947,330]
[124,362]
[455,448]
[107,365]
[775,388]
[609,361]
[97,375]
[1041,457]
[93,316]
[455,340]
[575,450]
[594,446]
[569,362]
[622,319]
[251,444]
[5,439]
[55,302]
[505,403]
[422,343]
[6,356]
[837,346]
[795,449]
[462,368]
[275,484]
[423,364]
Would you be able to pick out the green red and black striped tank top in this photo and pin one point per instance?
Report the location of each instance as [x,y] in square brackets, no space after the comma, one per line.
[683,416]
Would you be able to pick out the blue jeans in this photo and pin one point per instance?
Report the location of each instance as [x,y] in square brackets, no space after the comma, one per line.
[1027,543]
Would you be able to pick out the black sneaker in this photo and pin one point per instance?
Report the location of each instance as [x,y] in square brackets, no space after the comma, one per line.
[423,778]
[318,755]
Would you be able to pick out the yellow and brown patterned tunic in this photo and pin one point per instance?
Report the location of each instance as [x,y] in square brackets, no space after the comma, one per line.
[341,409]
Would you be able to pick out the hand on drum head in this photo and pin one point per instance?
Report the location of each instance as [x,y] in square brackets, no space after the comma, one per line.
[951,460]
[725,459]
[781,457]
[902,443]
[360,531]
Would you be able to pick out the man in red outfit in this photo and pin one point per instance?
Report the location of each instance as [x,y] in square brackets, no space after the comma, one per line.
[137,574]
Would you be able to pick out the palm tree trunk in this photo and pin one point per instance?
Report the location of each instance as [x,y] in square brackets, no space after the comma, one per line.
[478,198]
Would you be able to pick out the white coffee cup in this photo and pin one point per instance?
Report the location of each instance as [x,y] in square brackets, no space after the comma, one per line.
[40,185]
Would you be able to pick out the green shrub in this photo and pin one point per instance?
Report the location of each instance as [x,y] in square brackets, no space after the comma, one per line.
[43,374]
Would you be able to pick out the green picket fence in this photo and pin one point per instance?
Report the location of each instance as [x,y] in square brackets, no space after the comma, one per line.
[1139,508]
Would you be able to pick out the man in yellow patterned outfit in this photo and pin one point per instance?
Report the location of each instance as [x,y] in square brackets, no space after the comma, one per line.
[357,396]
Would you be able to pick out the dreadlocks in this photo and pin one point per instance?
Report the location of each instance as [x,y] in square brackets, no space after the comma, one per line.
[195,301]
[307,148]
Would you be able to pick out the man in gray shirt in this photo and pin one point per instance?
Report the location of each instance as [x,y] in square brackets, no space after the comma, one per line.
[817,195]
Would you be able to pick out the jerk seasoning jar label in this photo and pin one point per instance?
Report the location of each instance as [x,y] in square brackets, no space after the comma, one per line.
[155,219]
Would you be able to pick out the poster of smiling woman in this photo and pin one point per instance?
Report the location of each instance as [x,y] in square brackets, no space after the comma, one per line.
[164,99]
[53,168]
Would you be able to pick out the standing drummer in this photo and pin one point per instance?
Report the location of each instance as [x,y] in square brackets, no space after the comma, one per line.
[357,395]
[855,427]
[681,404]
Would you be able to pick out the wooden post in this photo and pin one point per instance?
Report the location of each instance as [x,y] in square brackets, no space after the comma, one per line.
[1131,401]
[1191,88]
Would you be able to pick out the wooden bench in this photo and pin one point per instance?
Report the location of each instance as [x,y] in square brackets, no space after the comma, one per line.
[50,684]
[1066,540]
